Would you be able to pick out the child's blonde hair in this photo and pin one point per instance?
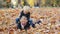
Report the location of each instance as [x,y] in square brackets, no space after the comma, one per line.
[26,8]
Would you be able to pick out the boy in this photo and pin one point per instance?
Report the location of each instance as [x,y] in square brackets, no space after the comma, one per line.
[23,23]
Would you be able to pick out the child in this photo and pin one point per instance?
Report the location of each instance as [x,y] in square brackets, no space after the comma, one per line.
[25,12]
[23,23]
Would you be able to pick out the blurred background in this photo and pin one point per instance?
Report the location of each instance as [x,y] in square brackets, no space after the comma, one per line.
[31,3]
[48,12]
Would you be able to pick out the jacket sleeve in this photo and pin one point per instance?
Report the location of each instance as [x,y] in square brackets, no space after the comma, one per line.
[21,14]
[29,15]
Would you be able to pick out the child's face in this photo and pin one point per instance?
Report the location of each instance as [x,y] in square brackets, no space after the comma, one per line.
[23,20]
[26,11]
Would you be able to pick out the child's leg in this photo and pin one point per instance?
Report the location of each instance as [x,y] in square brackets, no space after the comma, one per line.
[17,20]
[31,23]
[38,22]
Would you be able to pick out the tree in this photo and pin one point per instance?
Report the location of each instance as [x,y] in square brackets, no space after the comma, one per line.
[43,2]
